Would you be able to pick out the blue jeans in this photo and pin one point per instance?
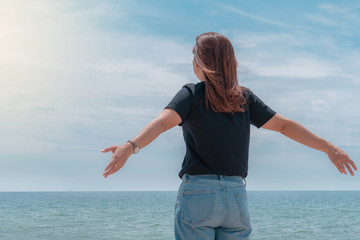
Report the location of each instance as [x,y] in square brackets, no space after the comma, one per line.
[212,207]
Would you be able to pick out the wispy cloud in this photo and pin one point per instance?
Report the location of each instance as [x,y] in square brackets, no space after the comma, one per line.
[298,68]
[291,55]
[258,18]
[283,55]
[253,16]
[321,20]
[331,8]
[346,11]
[131,111]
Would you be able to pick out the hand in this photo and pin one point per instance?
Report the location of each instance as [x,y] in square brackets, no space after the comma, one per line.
[120,155]
[341,160]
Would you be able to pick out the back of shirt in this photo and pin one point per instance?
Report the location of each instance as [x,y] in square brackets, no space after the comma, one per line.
[216,143]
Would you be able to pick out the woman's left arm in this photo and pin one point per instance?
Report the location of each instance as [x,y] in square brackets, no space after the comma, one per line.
[299,133]
[167,119]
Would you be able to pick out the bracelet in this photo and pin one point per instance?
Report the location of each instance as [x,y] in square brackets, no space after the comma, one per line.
[136,147]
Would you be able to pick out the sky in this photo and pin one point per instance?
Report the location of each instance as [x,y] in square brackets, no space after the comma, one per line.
[78,76]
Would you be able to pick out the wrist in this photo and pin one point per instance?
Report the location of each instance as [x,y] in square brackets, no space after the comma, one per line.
[328,147]
[136,148]
[129,147]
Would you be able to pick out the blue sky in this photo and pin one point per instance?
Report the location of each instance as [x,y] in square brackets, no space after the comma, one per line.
[78,76]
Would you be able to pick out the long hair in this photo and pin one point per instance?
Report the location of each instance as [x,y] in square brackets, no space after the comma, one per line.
[215,56]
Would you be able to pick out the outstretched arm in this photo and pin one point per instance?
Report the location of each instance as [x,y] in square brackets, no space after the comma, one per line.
[167,119]
[299,133]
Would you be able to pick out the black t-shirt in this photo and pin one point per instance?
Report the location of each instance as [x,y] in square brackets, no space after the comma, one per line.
[216,143]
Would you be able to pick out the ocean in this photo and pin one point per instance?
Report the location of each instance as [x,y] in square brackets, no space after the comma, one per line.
[69,215]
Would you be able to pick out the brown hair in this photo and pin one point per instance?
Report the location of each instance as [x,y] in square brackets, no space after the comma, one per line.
[215,56]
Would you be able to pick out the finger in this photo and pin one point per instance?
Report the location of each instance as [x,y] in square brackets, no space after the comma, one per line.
[111,148]
[352,164]
[339,167]
[343,169]
[106,173]
[108,149]
[109,172]
[112,161]
[349,169]
[113,166]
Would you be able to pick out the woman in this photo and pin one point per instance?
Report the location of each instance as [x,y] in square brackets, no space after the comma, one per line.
[215,115]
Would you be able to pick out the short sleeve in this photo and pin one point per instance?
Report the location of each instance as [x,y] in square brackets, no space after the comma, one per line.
[260,113]
[181,103]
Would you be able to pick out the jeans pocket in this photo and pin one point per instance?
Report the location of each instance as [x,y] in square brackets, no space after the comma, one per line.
[244,216]
[198,206]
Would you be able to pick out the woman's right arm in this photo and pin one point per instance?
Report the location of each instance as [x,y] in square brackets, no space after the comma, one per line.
[167,119]
[299,133]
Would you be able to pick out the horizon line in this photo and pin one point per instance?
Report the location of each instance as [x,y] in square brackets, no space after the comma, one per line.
[303,190]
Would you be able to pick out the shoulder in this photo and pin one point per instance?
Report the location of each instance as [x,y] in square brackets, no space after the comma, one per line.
[247,93]
[195,85]
[194,88]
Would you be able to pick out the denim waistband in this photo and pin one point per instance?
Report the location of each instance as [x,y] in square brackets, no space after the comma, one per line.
[235,179]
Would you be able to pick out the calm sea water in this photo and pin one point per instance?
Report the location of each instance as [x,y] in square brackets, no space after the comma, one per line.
[149,215]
